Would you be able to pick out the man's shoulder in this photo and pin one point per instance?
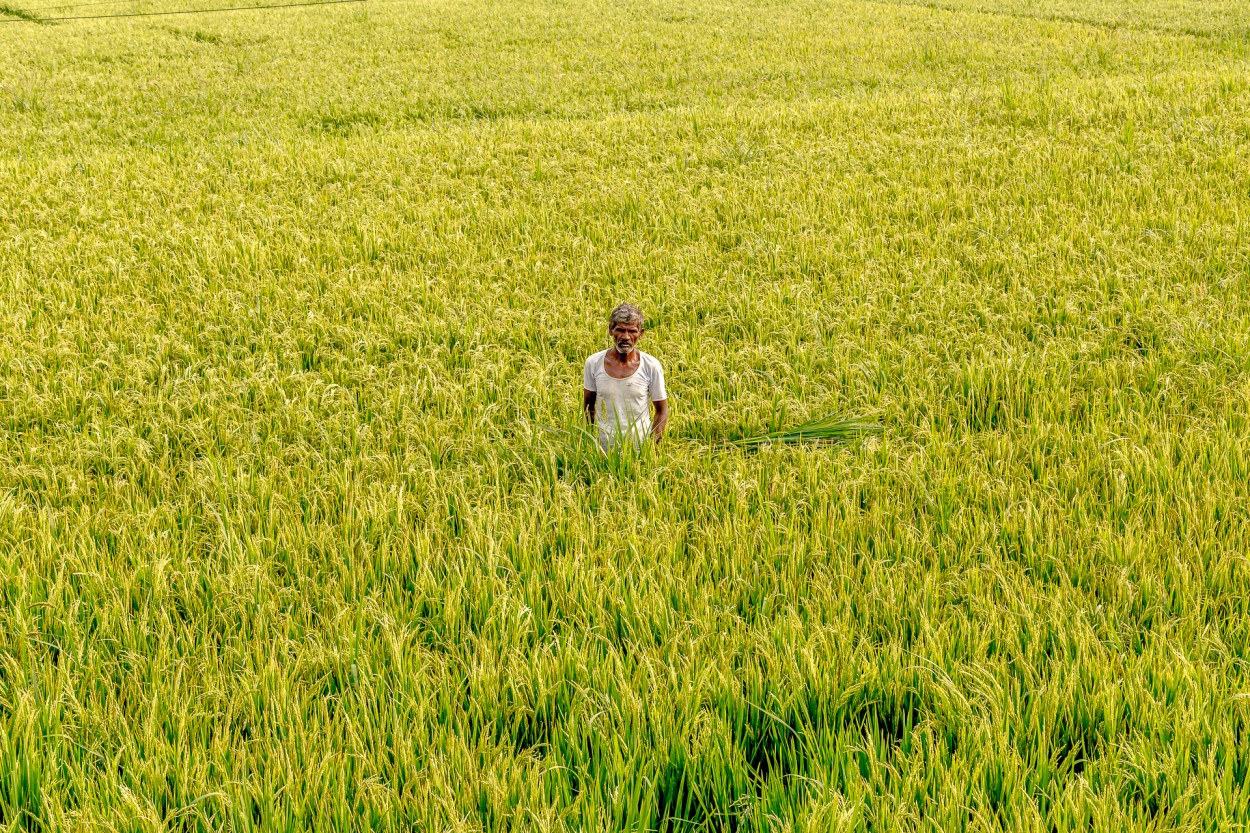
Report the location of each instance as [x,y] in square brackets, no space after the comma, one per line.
[650,360]
[596,358]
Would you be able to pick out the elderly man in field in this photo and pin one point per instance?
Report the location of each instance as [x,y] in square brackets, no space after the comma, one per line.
[621,385]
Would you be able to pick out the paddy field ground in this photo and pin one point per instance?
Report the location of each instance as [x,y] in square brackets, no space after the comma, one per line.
[296,532]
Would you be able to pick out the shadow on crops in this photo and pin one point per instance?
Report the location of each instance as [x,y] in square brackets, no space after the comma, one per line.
[194,35]
[775,748]
[343,123]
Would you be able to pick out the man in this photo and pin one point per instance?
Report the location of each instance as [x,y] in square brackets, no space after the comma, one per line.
[620,386]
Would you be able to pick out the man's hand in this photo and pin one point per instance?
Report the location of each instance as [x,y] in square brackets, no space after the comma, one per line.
[661,419]
[588,405]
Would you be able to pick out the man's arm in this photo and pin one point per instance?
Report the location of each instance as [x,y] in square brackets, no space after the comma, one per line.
[588,405]
[661,419]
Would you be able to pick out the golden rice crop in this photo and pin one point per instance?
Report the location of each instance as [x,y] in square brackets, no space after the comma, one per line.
[294,530]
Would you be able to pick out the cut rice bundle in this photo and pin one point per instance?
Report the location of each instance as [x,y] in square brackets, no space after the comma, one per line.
[829,429]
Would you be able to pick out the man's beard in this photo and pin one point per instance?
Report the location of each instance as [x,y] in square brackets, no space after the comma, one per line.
[624,347]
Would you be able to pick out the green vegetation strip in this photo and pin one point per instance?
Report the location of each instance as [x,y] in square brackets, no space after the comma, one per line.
[20,14]
[831,429]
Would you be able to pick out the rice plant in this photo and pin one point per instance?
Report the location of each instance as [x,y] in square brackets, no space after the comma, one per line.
[287,297]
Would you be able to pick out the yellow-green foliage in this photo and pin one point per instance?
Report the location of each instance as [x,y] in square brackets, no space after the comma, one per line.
[293,306]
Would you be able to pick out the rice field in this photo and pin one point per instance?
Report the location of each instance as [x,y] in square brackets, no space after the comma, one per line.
[296,528]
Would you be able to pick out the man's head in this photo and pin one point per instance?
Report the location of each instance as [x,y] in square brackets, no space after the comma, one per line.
[625,327]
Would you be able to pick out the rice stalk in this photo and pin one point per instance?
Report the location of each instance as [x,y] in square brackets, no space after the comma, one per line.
[830,429]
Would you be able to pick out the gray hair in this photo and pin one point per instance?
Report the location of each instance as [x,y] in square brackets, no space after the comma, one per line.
[625,314]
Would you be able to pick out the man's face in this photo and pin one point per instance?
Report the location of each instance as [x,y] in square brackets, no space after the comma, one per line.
[625,336]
